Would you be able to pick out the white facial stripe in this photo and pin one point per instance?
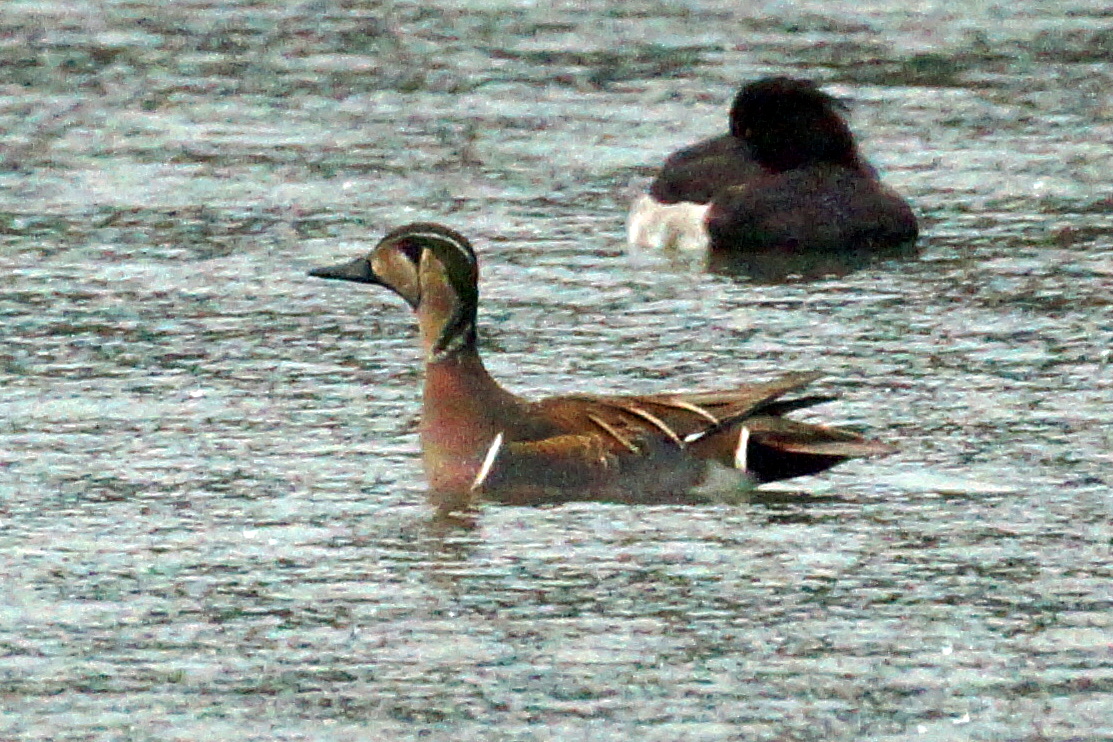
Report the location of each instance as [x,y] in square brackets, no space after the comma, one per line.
[443,238]
[740,452]
[488,462]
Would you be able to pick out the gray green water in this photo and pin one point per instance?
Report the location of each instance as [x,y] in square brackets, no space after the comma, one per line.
[211,514]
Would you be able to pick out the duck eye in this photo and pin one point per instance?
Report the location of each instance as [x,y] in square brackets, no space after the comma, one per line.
[411,249]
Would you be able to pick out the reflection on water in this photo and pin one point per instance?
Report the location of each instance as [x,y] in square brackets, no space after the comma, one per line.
[776,266]
[211,507]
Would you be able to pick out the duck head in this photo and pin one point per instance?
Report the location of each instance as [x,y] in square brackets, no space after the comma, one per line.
[789,123]
[433,268]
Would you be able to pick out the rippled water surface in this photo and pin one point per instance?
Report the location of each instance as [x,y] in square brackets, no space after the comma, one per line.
[212,522]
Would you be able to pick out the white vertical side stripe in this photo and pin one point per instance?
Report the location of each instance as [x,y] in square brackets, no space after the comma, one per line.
[488,462]
[740,452]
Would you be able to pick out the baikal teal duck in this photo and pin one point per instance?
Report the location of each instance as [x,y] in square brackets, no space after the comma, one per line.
[481,442]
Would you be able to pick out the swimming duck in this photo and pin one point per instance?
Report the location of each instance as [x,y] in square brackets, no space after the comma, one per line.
[481,442]
[788,177]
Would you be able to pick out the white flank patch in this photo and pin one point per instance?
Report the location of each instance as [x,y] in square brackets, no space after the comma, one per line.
[670,228]
[488,462]
[740,452]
